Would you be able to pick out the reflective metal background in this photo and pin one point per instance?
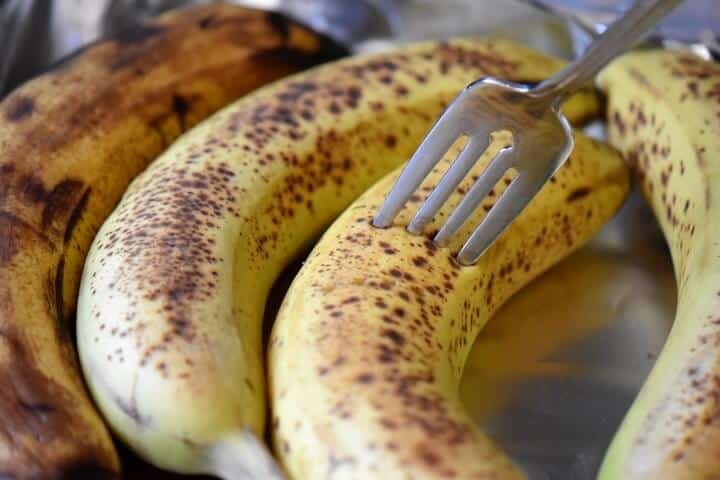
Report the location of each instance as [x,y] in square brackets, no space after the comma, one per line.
[553,373]
[34,33]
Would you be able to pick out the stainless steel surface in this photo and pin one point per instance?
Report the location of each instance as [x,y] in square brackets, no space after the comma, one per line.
[556,369]
[541,139]
[552,375]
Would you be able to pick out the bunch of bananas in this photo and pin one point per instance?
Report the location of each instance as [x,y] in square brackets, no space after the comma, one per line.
[167,249]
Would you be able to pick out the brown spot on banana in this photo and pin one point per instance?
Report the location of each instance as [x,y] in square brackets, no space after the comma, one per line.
[72,140]
[35,406]
[21,108]
[578,193]
[75,215]
[60,205]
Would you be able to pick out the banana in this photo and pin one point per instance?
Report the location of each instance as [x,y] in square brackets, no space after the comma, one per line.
[368,348]
[70,142]
[664,115]
[175,284]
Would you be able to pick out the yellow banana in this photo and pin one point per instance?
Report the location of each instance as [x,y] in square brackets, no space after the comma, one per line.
[664,115]
[70,141]
[369,345]
[174,288]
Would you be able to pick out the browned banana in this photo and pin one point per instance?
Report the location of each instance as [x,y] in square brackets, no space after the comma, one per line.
[70,141]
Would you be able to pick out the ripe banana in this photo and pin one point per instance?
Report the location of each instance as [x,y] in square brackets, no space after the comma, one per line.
[174,287]
[664,115]
[369,345]
[70,141]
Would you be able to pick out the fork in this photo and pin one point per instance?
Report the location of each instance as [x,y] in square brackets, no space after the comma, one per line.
[541,139]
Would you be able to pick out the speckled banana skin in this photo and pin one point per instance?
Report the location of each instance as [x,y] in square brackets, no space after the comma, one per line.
[70,142]
[368,349]
[664,115]
[174,288]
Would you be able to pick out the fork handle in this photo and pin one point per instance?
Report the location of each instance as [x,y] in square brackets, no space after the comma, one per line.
[618,37]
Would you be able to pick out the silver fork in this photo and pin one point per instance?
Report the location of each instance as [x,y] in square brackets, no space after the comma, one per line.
[541,139]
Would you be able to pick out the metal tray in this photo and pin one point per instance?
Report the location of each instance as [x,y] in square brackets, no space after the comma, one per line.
[554,372]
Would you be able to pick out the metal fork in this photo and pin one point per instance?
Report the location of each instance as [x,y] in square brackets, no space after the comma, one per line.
[541,139]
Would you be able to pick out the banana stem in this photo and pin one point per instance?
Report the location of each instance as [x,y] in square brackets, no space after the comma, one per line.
[243,457]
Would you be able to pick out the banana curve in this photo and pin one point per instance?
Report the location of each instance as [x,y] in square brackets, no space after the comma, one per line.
[664,116]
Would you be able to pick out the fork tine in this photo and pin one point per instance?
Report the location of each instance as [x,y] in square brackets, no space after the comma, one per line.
[442,135]
[477,193]
[477,144]
[513,200]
